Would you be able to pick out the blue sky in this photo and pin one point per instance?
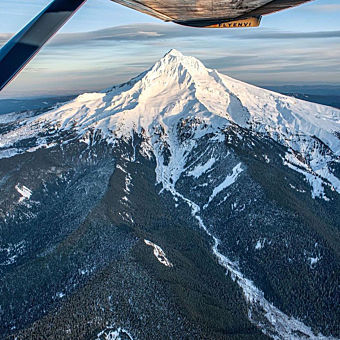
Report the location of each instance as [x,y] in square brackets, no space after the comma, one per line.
[296,46]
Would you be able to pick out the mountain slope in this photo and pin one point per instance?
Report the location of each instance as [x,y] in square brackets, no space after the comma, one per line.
[179,87]
[247,180]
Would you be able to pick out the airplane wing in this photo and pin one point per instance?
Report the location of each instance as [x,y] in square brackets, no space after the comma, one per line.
[197,13]
[26,44]
[210,13]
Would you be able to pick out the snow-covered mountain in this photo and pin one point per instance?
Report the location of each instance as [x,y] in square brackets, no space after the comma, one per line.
[253,176]
[179,88]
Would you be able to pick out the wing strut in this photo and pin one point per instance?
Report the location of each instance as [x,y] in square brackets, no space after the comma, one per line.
[26,44]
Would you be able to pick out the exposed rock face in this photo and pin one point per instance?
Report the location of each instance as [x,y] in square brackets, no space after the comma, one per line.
[183,203]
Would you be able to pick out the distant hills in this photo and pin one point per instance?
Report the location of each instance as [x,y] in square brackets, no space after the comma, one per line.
[22,105]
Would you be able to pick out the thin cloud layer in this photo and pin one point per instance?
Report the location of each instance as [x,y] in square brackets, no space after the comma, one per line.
[76,62]
[146,32]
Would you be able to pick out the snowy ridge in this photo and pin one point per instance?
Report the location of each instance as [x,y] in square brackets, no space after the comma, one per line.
[159,253]
[178,89]
[24,192]
[13,251]
[114,333]
[200,169]
[226,183]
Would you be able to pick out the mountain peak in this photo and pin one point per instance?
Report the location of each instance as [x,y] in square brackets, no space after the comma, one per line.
[174,60]
[175,53]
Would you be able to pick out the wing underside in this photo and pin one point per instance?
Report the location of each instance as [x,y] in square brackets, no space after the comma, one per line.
[208,13]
